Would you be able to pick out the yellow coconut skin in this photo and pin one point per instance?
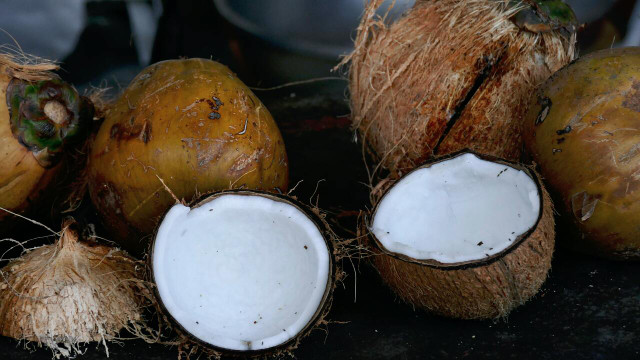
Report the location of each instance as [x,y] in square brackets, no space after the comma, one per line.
[22,179]
[191,123]
[482,291]
[70,292]
[583,130]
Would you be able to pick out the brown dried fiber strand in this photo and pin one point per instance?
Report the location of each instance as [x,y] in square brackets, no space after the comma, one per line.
[27,67]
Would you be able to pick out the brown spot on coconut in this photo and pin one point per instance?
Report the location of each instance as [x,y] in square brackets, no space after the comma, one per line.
[72,292]
[451,74]
[465,236]
[594,172]
[243,273]
[161,127]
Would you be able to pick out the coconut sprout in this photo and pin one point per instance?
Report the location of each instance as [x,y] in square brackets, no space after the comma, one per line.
[72,292]
[43,124]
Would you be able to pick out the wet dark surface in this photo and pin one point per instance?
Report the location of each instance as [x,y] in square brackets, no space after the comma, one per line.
[587,309]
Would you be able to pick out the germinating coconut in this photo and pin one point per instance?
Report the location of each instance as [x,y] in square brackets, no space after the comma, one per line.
[242,271]
[71,292]
[465,236]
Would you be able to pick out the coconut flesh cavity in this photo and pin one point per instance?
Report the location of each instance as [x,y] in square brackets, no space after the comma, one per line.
[241,272]
[466,236]
[461,210]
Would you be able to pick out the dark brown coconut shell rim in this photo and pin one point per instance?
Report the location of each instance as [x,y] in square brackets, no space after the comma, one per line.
[326,298]
[465,264]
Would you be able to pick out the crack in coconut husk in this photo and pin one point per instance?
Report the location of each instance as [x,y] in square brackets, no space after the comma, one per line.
[408,79]
[64,295]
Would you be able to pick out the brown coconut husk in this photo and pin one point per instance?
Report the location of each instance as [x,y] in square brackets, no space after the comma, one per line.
[16,64]
[72,292]
[191,347]
[450,74]
[483,289]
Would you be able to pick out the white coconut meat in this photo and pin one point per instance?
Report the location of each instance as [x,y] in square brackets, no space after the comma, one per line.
[458,210]
[241,272]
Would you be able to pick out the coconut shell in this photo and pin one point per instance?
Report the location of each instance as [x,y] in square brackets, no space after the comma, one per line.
[191,124]
[190,345]
[70,292]
[582,132]
[484,289]
[449,75]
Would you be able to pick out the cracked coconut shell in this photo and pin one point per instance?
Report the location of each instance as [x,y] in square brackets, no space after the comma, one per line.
[69,293]
[190,123]
[453,74]
[480,289]
[582,131]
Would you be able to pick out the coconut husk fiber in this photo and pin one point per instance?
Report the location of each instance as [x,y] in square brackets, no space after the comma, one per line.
[72,292]
[448,75]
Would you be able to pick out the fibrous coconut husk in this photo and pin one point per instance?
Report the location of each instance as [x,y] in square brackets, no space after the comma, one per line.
[484,289]
[450,74]
[72,292]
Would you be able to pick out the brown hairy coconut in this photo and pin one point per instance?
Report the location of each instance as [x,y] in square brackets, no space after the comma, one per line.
[582,132]
[191,124]
[464,236]
[43,124]
[453,74]
[244,273]
[71,292]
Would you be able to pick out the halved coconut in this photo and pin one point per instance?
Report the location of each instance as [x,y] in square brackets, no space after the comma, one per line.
[243,271]
[465,236]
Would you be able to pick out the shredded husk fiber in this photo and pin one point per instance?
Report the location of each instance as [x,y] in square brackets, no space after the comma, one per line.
[450,74]
[72,292]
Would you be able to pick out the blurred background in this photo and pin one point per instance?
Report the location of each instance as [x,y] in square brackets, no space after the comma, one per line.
[266,42]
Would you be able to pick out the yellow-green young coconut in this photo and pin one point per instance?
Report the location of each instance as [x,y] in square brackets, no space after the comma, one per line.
[43,122]
[453,74]
[583,131]
[191,124]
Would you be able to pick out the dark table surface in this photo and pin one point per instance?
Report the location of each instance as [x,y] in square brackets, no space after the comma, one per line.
[587,309]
